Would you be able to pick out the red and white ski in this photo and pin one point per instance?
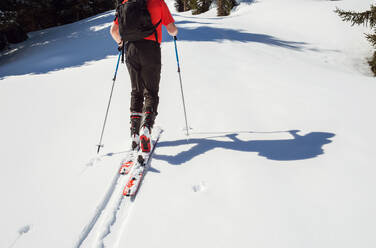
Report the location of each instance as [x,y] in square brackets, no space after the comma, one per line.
[126,166]
[140,167]
[133,183]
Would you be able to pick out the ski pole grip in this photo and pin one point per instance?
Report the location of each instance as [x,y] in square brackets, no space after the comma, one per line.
[175,38]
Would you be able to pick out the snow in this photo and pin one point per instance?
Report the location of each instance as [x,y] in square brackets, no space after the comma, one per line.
[280,100]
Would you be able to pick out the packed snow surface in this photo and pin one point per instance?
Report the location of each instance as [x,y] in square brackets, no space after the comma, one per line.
[280,100]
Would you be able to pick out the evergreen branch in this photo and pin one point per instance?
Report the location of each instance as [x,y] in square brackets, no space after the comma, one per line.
[372,39]
[366,18]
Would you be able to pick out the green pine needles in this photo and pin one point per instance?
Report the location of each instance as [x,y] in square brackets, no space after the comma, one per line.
[182,5]
[224,7]
[201,6]
[366,18]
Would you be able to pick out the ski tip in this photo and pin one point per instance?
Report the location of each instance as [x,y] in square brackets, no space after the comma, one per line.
[125,167]
[127,193]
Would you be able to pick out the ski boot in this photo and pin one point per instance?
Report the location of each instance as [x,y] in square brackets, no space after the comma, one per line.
[135,129]
[145,132]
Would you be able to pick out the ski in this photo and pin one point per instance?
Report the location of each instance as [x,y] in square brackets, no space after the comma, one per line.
[134,181]
[127,165]
[140,167]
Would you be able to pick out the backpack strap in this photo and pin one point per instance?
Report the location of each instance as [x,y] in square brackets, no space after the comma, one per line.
[156,31]
[122,54]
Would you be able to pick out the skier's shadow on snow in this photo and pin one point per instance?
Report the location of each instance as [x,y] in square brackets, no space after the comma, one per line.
[300,147]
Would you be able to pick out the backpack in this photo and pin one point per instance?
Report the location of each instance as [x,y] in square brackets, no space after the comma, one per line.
[135,21]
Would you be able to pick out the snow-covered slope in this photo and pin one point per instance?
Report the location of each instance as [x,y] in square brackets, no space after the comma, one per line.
[280,100]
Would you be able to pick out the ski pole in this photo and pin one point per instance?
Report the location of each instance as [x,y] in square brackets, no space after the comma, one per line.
[109,103]
[181,85]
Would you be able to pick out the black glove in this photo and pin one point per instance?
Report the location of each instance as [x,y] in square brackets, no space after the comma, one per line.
[120,46]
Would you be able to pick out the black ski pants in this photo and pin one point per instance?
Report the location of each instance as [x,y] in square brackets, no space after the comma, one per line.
[144,66]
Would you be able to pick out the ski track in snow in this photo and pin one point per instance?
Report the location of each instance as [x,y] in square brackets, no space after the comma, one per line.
[117,213]
[93,161]
[111,212]
[125,212]
[23,230]
[261,69]
[102,208]
[89,227]
[113,209]
[123,216]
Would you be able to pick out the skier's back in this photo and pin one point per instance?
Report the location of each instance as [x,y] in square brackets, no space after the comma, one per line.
[143,59]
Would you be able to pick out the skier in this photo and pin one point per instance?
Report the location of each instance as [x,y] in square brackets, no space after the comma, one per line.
[143,60]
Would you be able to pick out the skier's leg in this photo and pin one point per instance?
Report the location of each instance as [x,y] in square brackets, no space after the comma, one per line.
[137,98]
[150,60]
[151,83]
[134,69]
[151,75]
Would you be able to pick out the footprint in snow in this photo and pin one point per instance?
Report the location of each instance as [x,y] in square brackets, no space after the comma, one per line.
[202,186]
[93,161]
[21,231]
[99,158]
[24,229]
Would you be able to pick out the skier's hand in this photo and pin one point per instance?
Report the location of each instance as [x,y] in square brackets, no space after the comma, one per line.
[172,29]
[120,46]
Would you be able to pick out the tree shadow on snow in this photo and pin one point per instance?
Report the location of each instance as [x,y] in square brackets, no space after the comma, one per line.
[57,48]
[300,147]
[88,40]
[205,33]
